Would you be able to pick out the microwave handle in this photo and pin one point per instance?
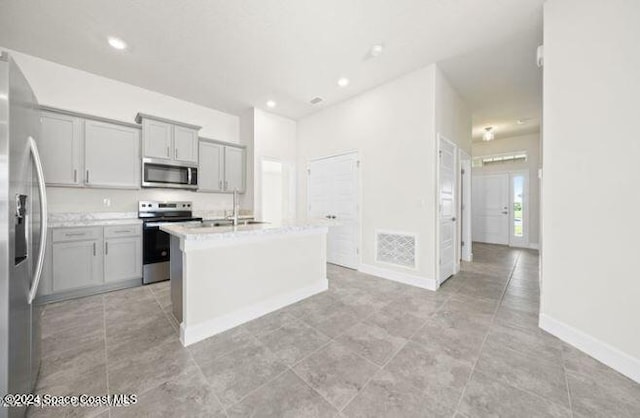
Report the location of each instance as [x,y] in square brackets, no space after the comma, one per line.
[189,175]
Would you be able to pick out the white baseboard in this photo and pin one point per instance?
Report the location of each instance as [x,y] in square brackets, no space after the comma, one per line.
[396,276]
[198,332]
[601,351]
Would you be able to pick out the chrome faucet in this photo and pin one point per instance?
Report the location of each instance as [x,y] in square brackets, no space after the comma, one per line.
[234,217]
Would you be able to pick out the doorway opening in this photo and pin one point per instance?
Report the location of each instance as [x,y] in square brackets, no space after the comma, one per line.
[277,197]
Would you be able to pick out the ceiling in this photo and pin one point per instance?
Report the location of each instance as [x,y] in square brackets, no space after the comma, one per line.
[502,84]
[231,55]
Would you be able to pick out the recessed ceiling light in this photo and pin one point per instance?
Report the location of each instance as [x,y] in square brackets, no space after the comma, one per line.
[117,43]
[376,50]
[271,103]
[488,134]
[343,82]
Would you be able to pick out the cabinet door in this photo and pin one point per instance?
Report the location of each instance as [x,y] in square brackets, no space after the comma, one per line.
[60,147]
[185,144]
[112,155]
[234,163]
[122,259]
[210,173]
[76,264]
[157,139]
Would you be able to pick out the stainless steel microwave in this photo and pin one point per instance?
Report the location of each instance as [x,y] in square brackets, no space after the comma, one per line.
[158,173]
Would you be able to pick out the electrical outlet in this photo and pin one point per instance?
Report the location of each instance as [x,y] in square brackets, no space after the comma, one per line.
[106,202]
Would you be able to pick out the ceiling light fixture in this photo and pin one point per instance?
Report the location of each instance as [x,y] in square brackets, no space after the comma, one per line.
[488,134]
[376,50]
[343,82]
[117,43]
[271,104]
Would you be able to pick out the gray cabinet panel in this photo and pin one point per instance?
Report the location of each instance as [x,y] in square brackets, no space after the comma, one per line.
[61,149]
[211,173]
[157,139]
[112,155]
[122,259]
[185,144]
[76,264]
[234,169]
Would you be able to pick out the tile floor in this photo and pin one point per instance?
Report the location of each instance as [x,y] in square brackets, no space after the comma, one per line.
[366,348]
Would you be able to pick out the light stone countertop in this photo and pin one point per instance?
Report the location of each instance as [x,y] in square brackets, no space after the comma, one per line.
[202,233]
[73,220]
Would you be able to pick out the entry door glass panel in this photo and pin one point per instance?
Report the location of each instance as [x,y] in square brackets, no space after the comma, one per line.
[518,206]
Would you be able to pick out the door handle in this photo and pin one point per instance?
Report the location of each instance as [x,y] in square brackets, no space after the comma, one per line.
[453,219]
[43,219]
[505,213]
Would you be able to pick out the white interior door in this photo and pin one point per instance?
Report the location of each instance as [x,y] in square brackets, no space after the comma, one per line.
[490,206]
[333,194]
[448,209]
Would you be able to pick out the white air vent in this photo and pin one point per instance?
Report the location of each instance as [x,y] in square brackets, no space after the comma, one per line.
[316,100]
[396,248]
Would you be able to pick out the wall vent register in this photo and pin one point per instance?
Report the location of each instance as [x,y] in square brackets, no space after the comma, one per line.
[396,248]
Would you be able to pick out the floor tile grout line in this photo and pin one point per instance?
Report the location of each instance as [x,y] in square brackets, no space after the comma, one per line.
[106,355]
[566,380]
[473,368]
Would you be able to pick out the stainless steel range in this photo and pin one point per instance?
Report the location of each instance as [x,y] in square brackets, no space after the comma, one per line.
[156,243]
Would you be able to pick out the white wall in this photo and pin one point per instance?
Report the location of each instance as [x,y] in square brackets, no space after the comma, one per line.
[275,137]
[591,184]
[393,129]
[68,88]
[531,144]
[453,117]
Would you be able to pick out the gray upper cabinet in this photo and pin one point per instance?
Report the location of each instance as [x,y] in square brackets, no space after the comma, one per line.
[157,139]
[234,169]
[222,167]
[61,149]
[164,139]
[211,169]
[112,155]
[185,144]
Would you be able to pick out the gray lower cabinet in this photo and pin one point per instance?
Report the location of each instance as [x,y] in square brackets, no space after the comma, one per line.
[88,260]
[76,264]
[122,259]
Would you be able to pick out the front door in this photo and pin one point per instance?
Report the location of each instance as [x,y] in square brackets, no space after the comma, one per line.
[490,205]
[333,194]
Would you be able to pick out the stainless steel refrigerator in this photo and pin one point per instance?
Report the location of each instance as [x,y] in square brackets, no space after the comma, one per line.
[23,226]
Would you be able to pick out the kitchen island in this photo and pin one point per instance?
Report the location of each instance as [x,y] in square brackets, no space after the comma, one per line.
[224,276]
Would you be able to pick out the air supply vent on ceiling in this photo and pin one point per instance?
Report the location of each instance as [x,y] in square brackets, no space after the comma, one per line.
[316,100]
[396,248]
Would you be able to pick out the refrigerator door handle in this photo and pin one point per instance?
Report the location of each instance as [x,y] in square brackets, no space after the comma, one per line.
[43,219]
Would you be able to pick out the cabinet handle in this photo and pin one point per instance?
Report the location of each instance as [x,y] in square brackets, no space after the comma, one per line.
[122,231]
[74,234]
[168,152]
[106,248]
[87,175]
[94,249]
[220,185]
[75,175]
[226,185]
[176,153]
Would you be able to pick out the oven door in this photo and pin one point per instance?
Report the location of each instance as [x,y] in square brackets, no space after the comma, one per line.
[155,244]
[162,174]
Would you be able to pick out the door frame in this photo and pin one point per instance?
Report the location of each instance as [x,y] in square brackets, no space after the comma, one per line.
[456,244]
[465,207]
[359,175]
